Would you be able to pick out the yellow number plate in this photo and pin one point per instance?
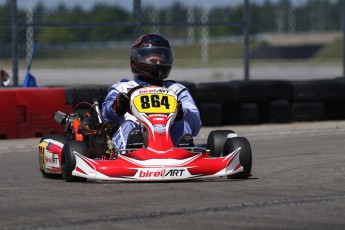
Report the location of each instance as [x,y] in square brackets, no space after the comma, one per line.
[155,103]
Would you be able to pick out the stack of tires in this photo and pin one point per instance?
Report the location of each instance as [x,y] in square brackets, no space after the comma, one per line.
[270,101]
[86,93]
[244,102]
[251,102]
[317,100]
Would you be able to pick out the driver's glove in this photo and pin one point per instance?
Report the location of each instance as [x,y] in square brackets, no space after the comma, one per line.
[121,104]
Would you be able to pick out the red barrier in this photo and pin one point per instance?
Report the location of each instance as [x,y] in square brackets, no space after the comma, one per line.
[8,113]
[36,107]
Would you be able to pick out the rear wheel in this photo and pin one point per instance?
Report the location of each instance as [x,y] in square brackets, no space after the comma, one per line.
[216,140]
[69,161]
[231,145]
[56,137]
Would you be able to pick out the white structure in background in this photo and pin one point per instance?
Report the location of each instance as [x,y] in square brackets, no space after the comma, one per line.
[191,20]
[279,15]
[204,33]
[154,16]
[317,16]
[29,30]
[291,19]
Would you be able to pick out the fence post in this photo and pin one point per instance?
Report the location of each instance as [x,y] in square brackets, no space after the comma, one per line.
[204,33]
[137,17]
[14,31]
[246,39]
[29,31]
[343,25]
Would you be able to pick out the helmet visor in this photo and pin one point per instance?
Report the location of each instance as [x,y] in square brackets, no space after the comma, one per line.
[153,55]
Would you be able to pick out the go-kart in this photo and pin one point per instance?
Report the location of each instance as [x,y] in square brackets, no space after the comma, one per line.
[86,151]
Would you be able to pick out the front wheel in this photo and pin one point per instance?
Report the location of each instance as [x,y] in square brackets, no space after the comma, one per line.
[69,161]
[231,145]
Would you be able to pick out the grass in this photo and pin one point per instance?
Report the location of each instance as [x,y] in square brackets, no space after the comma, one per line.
[220,54]
[333,51]
[186,56]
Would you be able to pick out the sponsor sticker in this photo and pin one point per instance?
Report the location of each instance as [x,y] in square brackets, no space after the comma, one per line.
[51,160]
[159,128]
[159,90]
[162,173]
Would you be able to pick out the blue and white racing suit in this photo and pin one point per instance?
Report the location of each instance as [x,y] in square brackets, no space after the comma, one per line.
[189,124]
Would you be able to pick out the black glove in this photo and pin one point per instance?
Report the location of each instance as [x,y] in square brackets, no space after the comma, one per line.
[133,89]
[179,115]
[121,104]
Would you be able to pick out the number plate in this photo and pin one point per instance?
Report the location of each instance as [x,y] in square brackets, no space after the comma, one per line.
[155,103]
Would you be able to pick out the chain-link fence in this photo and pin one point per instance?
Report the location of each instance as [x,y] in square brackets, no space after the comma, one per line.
[89,41]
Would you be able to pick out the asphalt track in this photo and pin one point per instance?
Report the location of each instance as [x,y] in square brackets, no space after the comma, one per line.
[297,183]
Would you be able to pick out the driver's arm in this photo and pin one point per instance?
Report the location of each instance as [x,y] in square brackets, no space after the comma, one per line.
[190,111]
[108,113]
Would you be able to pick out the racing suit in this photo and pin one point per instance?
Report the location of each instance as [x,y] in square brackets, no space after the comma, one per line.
[189,124]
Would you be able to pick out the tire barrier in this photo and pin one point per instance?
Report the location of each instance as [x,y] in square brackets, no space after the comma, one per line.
[241,113]
[86,93]
[318,91]
[211,114]
[276,89]
[335,110]
[273,101]
[250,91]
[223,93]
[277,111]
[308,111]
[28,111]
[254,101]
[8,115]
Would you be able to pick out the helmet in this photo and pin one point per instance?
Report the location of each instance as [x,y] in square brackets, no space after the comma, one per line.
[151,56]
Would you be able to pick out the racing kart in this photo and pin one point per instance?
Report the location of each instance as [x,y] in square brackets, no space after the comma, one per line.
[86,151]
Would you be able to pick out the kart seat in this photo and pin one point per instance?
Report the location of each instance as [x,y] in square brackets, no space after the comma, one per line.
[185,141]
[135,139]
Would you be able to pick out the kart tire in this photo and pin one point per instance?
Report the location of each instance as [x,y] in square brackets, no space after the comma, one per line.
[323,90]
[216,140]
[69,161]
[211,119]
[250,91]
[215,92]
[308,111]
[231,144]
[244,113]
[57,137]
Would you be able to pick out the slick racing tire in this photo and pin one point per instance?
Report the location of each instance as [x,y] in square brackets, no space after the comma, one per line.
[57,137]
[231,144]
[69,161]
[216,140]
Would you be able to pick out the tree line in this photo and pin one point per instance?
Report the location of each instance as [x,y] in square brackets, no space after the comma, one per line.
[268,16]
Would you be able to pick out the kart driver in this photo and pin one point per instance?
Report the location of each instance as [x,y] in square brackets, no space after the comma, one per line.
[4,78]
[151,60]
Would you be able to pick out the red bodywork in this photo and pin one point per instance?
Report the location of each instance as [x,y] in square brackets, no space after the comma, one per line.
[160,161]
